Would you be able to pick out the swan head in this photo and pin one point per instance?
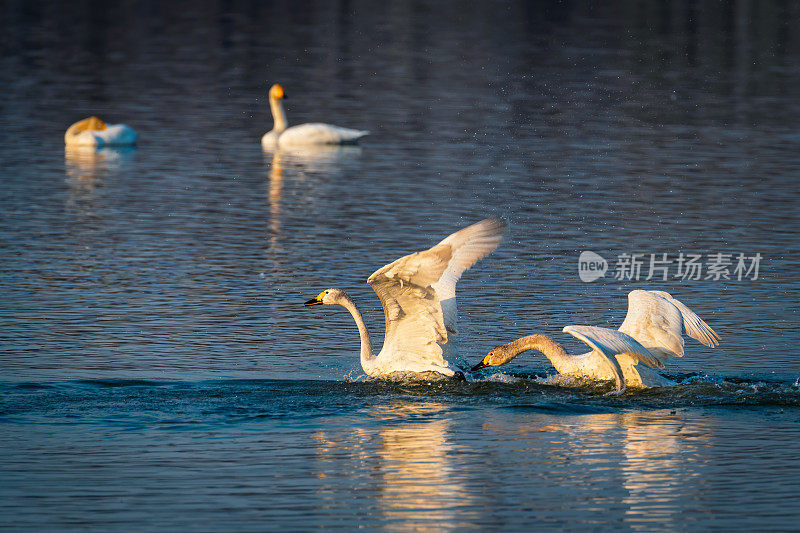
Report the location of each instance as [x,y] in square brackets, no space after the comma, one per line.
[276,92]
[87,124]
[328,297]
[93,124]
[497,356]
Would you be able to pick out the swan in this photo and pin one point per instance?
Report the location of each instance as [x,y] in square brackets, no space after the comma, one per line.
[651,333]
[418,295]
[304,134]
[94,132]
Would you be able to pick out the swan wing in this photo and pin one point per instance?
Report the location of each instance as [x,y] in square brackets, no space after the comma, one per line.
[117,135]
[414,321]
[658,323]
[693,325]
[468,246]
[611,343]
[409,292]
[318,133]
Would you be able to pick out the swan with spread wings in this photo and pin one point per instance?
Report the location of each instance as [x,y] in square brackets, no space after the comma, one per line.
[418,294]
[651,333]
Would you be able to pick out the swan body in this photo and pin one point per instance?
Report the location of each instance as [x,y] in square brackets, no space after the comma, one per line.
[94,132]
[651,333]
[315,133]
[417,293]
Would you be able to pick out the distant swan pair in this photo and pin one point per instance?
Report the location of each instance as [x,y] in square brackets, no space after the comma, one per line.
[419,303]
[93,132]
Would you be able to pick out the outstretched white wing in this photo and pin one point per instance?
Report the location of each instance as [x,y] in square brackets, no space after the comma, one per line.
[412,289]
[693,325]
[468,246]
[658,322]
[611,343]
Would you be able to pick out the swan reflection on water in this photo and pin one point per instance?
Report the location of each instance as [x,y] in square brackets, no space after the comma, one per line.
[86,170]
[651,462]
[313,158]
[275,189]
[86,163]
[660,466]
[418,486]
[297,164]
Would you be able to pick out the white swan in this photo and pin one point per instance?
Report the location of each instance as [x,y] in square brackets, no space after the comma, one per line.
[304,134]
[94,132]
[418,294]
[651,333]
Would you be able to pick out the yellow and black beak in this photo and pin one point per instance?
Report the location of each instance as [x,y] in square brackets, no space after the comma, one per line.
[317,300]
[480,365]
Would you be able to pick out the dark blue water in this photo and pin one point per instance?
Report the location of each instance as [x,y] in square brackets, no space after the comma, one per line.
[252,454]
[159,371]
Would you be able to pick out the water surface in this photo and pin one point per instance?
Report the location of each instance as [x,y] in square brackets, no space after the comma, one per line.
[160,371]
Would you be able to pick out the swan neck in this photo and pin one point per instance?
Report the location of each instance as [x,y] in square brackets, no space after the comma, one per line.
[541,343]
[366,345]
[278,114]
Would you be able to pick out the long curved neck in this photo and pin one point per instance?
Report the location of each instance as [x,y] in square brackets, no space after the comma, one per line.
[541,343]
[366,345]
[278,114]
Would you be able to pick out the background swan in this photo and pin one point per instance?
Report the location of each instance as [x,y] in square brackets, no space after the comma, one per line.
[304,134]
[94,132]
[418,294]
[651,333]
